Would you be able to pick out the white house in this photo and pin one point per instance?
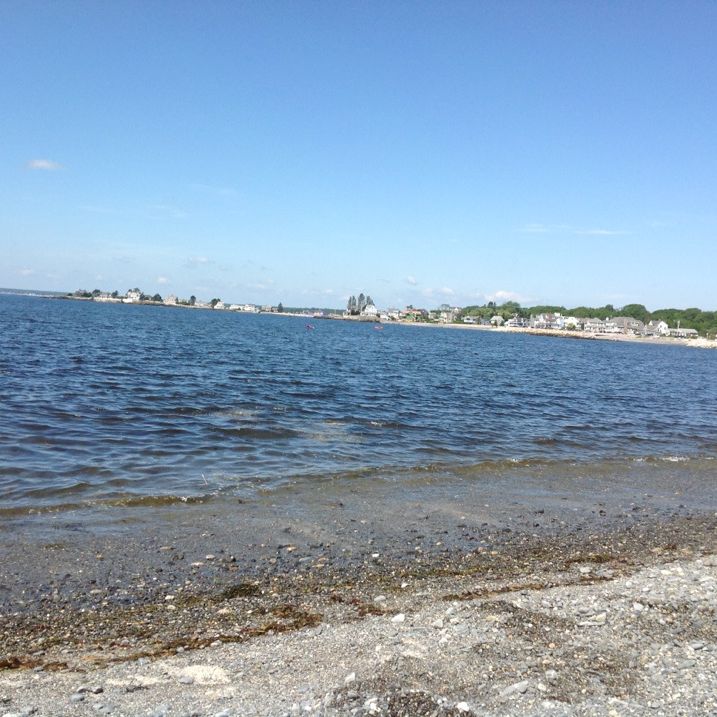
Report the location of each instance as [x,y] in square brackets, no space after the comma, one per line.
[657,328]
[497,320]
[679,333]
[594,326]
[370,310]
[170,300]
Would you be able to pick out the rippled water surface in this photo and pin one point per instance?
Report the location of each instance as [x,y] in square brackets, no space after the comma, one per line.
[116,402]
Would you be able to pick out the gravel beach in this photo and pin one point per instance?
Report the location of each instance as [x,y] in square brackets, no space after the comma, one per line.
[537,604]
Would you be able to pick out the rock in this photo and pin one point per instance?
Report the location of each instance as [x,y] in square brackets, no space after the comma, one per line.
[398,618]
[438,624]
[223,713]
[685,664]
[77,697]
[463,707]
[519,688]
[186,680]
[350,678]
[551,675]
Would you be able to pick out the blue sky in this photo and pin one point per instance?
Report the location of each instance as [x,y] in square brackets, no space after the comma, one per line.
[560,152]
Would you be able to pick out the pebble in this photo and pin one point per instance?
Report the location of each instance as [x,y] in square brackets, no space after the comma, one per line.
[463,707]
[77,697]
[519,688]
[223,713]
[186,680]
[398,618]
[350,678]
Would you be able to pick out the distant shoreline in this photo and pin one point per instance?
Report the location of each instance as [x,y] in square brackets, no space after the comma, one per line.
[700,342]
[584,335]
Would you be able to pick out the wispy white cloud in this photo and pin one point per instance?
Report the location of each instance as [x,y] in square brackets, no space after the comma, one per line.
[95,209]
[46,165]
[503,295]
[162,280]
[534,228]
[411,280]
[600,232]
[26,271]
[537,228]
[195,262]
[168,210]
[442,291]
[264,285]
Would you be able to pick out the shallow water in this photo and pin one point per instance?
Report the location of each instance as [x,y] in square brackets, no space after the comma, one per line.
[111,404]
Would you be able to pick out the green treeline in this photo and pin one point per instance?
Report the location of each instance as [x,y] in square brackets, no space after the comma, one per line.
[704,322]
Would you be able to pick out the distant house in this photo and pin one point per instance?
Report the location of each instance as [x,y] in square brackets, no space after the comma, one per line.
[106,297]
[469,320]
[170,300]
[594,326]
[220,305]
[132,296]
[411,314]
[370,310]
[572,323]
[497,320]
[628,325]
[679,333]
[516,322]
[657,328]
[610,327]
[547,321]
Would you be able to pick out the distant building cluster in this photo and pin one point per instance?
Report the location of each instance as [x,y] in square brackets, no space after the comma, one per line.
[617,325]
[136,296]
[364,308]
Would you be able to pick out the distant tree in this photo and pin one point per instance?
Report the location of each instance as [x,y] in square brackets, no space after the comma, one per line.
[636,311]
[280,308]
[115,294]
[157,298]
[96,292]
[361,303]
[352,305]
[214,302]
[145,297]
[192,300]
[369,301]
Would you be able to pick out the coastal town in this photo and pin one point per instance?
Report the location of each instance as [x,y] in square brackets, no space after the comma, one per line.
[498,317]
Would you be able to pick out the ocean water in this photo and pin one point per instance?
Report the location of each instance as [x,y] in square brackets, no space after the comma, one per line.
[114,404]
